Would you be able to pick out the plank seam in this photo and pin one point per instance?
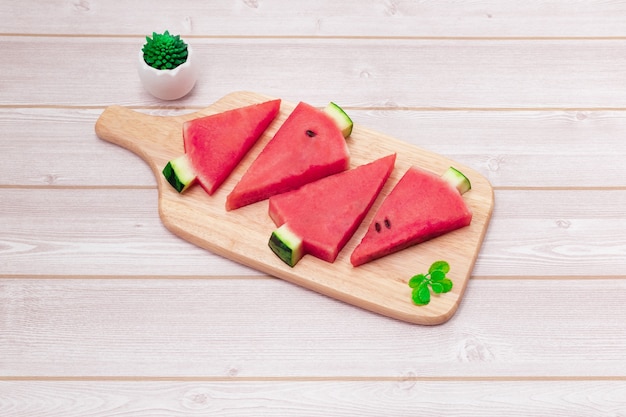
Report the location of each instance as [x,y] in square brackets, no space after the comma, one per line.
[132,277]
[326,37]
[113,378]
[154,187]
[263,276]
[354,108]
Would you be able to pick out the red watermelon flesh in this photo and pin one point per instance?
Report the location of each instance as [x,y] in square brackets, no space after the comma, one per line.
[326,213]
[308,146]
[215,144]
[420,207]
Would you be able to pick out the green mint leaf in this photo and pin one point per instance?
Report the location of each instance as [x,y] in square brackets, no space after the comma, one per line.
[437,287]
[442,266]
[423,293]
[435,280]
[415,281]
[437,275]
[415,296]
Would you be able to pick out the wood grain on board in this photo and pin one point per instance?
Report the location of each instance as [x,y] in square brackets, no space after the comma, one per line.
[242,235]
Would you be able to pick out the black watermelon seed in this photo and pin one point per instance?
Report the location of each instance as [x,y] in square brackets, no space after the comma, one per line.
[377,227]
[311,133]
[387,223]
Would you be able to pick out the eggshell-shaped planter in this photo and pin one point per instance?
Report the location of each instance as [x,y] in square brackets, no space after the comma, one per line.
[169,84]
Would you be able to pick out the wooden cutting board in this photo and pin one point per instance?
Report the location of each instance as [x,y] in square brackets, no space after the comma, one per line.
[242,235]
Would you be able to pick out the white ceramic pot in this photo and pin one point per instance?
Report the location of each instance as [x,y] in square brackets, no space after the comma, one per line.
[169,84]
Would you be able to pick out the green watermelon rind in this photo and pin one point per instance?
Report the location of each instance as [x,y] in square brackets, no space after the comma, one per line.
[286,245]
[179,173]
[340,117]
[457,179]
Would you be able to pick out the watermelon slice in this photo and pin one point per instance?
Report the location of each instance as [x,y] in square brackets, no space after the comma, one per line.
[320,217]
[215,144]
[421,206]
[308,146]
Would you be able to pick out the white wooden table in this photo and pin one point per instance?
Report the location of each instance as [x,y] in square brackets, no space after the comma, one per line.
[104,312]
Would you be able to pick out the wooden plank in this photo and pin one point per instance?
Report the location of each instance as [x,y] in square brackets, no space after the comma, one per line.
[562,237]
[266,328]
[297,398]
[489,18]
[58,147]
[528,149]
[242,235]
[94,231]
[394,73]
[118,232]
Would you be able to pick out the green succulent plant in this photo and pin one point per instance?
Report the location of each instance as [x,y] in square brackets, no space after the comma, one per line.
[164,51]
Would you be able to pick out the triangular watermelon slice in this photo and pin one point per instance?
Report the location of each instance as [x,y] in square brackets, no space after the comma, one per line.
[421,206]
[320,217]
[308,146]
[215,144]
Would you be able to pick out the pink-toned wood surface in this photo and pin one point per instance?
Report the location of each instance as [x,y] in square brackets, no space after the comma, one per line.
[105,312]
[242,235]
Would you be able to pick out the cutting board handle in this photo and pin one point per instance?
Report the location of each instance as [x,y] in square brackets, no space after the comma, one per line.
[154,138]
